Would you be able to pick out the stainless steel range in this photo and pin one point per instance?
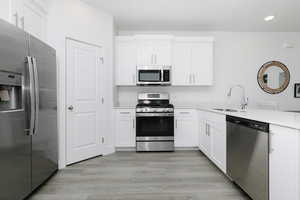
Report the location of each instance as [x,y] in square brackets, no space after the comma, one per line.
[154,122]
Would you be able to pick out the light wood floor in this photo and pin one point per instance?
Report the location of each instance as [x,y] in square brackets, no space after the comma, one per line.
[183,175]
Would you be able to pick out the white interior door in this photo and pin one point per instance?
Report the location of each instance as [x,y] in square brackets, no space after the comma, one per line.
[84,101]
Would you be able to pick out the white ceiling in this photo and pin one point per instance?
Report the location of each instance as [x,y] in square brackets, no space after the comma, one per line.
[223,15]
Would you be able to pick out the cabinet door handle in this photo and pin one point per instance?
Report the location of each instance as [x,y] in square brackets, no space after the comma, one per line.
[133,123]
[23,22]
[208,129]
[192,78]
[16,15]
[270,143]
[124,113]
[176,123]
[184,112]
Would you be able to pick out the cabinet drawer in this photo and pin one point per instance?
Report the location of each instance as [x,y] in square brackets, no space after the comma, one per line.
[184,112]
[216,118]
[125,112]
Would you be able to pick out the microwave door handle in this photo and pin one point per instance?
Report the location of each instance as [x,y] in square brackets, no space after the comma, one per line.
[37,95]
[29,93]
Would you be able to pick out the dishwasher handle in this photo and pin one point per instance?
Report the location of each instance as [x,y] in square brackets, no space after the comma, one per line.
[260,126]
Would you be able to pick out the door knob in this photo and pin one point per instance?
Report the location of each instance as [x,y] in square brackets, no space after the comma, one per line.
[71,108]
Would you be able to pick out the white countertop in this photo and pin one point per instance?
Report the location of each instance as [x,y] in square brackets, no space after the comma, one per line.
[280,118]
[124,107]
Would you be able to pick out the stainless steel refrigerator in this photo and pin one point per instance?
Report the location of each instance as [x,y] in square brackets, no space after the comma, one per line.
[28,113]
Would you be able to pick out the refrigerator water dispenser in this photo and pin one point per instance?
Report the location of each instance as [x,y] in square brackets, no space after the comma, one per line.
[10,91]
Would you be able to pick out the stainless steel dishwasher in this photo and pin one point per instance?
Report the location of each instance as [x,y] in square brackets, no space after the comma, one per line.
[248,156]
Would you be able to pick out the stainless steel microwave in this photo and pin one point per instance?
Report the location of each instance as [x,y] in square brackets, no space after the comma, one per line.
[154,75]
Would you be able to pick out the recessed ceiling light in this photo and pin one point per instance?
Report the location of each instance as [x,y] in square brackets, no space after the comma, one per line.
[269,18]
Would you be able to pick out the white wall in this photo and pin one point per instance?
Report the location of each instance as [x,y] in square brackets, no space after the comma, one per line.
[77,20]
[238,57]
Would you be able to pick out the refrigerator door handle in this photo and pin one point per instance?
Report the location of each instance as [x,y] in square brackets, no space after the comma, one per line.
[36,94]
[30,100]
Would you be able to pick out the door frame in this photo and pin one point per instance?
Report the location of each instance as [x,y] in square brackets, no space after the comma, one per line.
[62,100]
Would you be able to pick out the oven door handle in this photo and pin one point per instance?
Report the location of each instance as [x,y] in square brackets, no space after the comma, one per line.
[154,114]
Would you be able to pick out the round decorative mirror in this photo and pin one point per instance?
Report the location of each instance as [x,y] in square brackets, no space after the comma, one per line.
[273,77]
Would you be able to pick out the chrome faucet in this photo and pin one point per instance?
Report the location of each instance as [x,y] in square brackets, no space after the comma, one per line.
[244,101]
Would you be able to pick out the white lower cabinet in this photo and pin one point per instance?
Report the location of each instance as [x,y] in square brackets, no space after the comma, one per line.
[212,137]
[186,128]
[284,161]
[217,133]
[201,130]
[125,127]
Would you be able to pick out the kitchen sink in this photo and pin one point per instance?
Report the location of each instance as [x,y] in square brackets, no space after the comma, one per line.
[225,110]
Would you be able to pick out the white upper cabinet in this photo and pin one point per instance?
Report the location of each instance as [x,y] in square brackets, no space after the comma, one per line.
[202,63]
[181,74]
[192,61]
[191,58]
[154,50]
[126,60]
[5,10]
[29,15]
[34,18]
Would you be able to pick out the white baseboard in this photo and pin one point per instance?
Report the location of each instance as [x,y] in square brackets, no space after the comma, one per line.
[108,150]
[186,149]
[125,149]
[176,149]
